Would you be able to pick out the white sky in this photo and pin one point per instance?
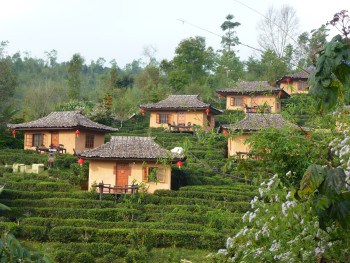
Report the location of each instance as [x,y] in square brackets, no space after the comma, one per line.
[120,29]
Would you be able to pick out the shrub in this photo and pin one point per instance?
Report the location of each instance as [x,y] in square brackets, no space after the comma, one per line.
[137,255]
[63,256]
[84,257]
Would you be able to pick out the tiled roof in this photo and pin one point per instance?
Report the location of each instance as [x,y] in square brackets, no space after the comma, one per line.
[302,74]
[259,121]
[179,102]
[64,120]
[252,87]
[128,148]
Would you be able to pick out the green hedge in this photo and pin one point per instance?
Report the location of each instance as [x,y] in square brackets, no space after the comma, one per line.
[59,203]
[34,185]
[55,222]
[9,193]
[204,195]
[106,214]
[158,238]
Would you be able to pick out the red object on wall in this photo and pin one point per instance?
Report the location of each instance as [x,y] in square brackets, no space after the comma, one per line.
[14,133]
[207,111]
[220,96]
[143,111]
[179,164]
[279,94]
[77,132]
[225,132]
[80,161]
[288,79]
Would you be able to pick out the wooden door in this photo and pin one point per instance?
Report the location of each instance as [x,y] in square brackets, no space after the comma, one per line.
[181,118]
[122,175]
[54,139]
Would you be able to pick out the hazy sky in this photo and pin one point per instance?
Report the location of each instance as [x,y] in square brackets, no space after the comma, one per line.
[121,29]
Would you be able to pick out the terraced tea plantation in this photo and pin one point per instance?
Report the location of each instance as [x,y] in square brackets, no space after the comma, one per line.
[69,224]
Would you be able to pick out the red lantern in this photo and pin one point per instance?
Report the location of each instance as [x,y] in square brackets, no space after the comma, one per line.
[307,135]
[143,111]
[14,133]
[179,164]
[77,132]
[279,94]
[288,79]
[207,111]
[225,132]
[220,96]
[80,161]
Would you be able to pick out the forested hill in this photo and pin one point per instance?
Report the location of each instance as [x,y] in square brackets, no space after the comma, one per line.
[32,87]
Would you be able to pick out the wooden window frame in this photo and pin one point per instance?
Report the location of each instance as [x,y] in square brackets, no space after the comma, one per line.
[163,118]
[89,141]
[233,101]
[37,139]
[160,174]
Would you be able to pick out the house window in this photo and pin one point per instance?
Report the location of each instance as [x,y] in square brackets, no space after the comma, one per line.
[38,139]
[236,101]
[163,118]
[302,85]
[89,141]
[153,174]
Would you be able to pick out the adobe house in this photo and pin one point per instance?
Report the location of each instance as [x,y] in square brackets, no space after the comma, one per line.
[69,130]
[296,83]
[181,113]
[130,159]
[242,130]
[253,96]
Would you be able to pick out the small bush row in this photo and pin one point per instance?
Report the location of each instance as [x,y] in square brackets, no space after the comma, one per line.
[14,194]
[30,185]
[54,222]
[203,195]
[59,203]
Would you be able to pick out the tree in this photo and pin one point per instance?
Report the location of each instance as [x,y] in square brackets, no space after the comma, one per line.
[277,29]
[310,46]
[74,82]
[229,39]
[330,84]
[191,64]
[8,83]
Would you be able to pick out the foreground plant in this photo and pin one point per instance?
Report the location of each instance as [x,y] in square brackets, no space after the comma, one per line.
[278,227]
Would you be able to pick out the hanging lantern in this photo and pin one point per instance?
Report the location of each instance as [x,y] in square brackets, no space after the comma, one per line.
[279,94]
[14,133]
[80,161]
[288,79]
[219,95]
[225,132]
[179,164]
[307,135]
[143,111]
[207,111]
[77,132]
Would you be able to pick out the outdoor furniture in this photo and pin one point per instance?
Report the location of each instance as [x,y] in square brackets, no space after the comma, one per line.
[116,190]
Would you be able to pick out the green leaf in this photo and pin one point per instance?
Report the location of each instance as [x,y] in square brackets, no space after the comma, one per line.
[312,179]
[340,211]
[334,182]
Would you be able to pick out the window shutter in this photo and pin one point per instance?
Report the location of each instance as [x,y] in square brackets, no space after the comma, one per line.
[29,140]
[169,118]
[232,101]
[43,141]
[243,101]
[157,118]
[145,174]
[161,175]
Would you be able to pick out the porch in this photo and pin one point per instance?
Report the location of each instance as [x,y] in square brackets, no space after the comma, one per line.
[116,190]
[181,127]
[51,149]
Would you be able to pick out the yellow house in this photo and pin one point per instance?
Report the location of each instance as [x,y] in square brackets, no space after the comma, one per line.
[296,83]
[127,160]
[243,130]
[253,96]
[63,130]
[181,113]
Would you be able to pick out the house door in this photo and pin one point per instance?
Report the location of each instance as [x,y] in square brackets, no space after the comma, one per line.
[181,118]
[54,139]
[122,175]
